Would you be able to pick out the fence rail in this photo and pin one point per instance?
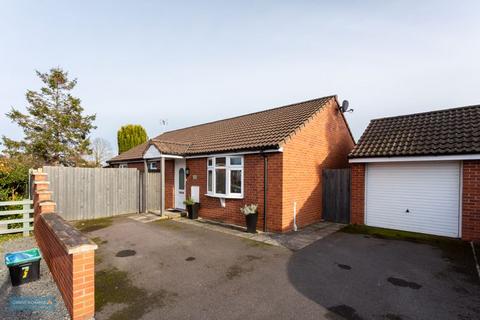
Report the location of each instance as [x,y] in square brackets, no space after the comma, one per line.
[90,193]
[8,225]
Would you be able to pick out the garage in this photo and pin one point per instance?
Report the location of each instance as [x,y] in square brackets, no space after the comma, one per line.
[419,173]
[414,196]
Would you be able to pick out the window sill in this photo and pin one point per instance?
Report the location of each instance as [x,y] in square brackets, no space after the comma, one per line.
[223,196]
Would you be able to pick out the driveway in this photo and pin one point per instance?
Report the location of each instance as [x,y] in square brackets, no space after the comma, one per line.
[172,270]
[362,277]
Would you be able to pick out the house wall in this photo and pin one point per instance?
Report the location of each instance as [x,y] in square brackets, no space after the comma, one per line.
[210,207]
[324,142]
[137,165]
[471,200]
[470,197]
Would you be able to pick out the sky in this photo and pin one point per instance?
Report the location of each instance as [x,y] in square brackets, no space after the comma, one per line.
[190,62]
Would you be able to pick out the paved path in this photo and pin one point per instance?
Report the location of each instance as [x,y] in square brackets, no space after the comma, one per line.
[294,240]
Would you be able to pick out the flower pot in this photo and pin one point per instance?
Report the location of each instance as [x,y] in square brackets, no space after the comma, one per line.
[251,220]
[193,210]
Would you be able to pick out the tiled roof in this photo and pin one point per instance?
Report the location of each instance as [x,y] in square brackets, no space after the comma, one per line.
[255,131]
[132,154]
[442,132]
[169,147]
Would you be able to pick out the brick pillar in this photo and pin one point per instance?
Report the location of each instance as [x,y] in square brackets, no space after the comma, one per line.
[83,287]
[471,200]
[41,195]
[73,268]
[357,200]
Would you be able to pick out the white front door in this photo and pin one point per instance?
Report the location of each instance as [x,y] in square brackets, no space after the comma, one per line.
[414,196]
[180,183]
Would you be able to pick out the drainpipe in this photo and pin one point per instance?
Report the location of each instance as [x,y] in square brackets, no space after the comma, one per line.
[265,190]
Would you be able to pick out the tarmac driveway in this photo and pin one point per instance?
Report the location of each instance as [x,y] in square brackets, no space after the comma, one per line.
[172,270]
[361,277]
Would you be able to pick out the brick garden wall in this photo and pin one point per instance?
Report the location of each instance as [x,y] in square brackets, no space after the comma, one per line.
[324,142]
[471,200]
[71,267]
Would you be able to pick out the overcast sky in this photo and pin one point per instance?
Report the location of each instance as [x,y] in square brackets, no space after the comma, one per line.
[193,62]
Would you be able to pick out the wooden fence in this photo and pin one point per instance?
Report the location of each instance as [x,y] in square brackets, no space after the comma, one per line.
[336,195]
[154,189]
[90,193]
[18,220]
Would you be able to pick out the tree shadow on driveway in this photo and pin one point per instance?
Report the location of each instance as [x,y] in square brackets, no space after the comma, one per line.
[362,277]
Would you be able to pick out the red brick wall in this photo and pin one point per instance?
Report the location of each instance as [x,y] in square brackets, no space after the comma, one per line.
[471,200]
[73,273]
[357,201]
[324,142]
[253,191]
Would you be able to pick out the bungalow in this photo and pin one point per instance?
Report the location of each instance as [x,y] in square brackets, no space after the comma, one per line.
[273,158]
[420,172]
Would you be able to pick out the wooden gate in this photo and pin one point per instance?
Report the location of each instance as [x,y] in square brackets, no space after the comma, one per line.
[336,195]
[153,192]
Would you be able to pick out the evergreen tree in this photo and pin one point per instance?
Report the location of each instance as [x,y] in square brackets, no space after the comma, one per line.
[129,136]
[55,130]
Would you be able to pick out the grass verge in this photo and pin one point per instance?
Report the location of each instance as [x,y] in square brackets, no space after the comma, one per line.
[93,224]
[114,286]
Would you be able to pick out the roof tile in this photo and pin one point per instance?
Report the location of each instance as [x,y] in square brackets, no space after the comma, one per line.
[441,132]
[254,131]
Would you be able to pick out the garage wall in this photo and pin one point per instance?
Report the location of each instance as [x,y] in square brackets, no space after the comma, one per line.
[357,203]
[471,200]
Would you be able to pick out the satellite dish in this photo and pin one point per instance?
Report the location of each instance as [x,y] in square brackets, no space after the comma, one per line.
[344,105]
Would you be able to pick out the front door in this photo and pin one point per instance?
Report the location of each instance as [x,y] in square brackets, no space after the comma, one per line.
[179,183]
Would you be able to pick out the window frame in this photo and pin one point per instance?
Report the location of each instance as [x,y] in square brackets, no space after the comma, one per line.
[228,168]
[123,165]
[150,168]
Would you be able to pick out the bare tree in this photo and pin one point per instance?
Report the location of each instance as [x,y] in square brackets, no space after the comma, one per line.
[101,152]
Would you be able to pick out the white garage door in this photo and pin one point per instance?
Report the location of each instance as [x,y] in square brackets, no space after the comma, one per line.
[414,196]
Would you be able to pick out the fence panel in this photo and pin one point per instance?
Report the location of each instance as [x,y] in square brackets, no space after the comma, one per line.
[90,193]
[154,191]
[18,220]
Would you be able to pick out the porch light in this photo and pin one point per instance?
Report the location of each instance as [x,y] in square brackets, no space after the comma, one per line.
[187,171]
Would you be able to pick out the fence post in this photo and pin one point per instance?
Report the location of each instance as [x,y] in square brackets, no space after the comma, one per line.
[26,217]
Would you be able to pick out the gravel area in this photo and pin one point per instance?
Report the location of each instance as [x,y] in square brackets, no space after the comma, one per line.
[43,287]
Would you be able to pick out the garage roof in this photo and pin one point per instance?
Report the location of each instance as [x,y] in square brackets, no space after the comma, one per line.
[442,132]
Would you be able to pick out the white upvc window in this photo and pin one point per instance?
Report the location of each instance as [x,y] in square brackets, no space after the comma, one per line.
[123,165]
[225,176]
[152,166]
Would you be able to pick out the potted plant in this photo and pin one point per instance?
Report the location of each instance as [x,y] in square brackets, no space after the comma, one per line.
[192,208]
[251,217]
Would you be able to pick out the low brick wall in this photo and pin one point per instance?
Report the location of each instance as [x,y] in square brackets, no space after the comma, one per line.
[68,253]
